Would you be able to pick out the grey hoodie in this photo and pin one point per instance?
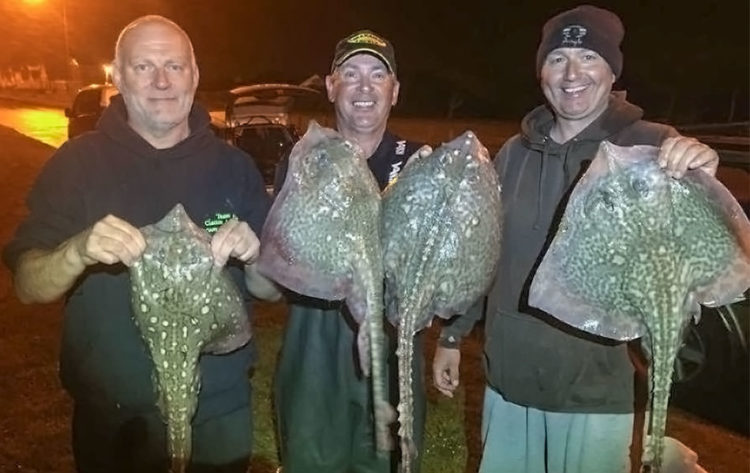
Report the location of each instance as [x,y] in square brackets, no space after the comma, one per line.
[531,358]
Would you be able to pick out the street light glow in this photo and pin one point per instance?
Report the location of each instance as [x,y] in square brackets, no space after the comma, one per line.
[33,2]
[107,72]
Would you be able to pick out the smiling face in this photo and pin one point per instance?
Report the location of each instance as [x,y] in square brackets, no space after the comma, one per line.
[577,83]
[156,74]
[363,92]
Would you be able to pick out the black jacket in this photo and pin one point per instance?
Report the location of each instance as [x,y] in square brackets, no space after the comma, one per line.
[385,163]
[532,358]
[112,170]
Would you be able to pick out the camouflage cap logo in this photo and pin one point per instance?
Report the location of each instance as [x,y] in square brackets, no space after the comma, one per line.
[368,42]
[367,38]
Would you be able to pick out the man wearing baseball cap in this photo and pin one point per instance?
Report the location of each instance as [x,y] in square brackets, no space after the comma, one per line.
[323,403]
[557,400]
[367,42]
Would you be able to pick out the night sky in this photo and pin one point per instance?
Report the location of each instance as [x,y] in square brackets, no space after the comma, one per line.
[683,60]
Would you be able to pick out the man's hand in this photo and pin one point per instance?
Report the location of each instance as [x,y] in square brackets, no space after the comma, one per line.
[110,240]
[43,275]
[424,151]
[680,153]
[677,457]
[445,369]
[234,239]
[237,240]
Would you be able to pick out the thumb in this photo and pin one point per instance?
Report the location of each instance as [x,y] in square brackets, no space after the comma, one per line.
[454,377]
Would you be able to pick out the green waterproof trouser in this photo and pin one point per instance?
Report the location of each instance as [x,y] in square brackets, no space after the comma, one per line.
[324,405]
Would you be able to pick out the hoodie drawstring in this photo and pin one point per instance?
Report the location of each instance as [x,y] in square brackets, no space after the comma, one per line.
[543,174]
[566,169]
[519,174]
[540,191]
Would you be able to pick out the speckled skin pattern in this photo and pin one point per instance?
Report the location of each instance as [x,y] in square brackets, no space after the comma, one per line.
[183,306]
[635,253]
[441,243]
[322,239]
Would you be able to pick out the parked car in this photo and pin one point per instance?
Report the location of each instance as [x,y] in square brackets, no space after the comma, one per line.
[259,120]
[712,372]
[87,107]
[267,143]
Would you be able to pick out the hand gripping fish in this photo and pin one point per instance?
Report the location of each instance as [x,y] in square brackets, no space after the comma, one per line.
[441,243]
[322,239]
[636,253]
[183,306]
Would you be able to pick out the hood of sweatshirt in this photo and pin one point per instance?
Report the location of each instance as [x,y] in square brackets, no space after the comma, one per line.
[114,124]
[535,130]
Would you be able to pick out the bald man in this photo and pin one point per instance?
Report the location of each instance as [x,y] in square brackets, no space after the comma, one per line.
[151,149]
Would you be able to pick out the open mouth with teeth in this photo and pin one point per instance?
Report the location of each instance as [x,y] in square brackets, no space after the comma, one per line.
[363,103]
[574,91]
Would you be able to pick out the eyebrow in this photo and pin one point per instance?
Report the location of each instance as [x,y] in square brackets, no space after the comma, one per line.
[173,60]
[377,65]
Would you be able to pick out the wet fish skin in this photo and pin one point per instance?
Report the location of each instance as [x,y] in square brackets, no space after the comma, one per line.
[635,254]
[183,306]
[322,239]
[441,243]
[445,208]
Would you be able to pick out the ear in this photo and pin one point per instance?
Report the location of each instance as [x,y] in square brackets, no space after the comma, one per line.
[196,75]
[116,75]
[330,88]
[396,88]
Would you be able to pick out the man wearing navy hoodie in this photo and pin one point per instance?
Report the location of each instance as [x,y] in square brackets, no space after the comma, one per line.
[152,149]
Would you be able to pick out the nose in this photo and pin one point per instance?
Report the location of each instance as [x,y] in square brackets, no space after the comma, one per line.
[364,83]
[572,70]
[161,78]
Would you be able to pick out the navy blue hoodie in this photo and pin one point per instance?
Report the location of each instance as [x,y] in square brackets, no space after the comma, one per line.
[112,170]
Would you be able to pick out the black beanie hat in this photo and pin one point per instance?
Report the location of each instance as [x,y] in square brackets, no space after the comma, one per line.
[586,27]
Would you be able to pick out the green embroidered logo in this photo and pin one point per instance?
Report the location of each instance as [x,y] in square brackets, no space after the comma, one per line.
[212,224]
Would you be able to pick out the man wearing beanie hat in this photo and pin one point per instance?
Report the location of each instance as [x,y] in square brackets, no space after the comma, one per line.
[557,400]
[323,403]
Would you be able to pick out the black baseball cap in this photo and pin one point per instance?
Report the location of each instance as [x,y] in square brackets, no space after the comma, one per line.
[367,42]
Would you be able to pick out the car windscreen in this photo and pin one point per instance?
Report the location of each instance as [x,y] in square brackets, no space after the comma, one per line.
[87,102]
[267,145]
